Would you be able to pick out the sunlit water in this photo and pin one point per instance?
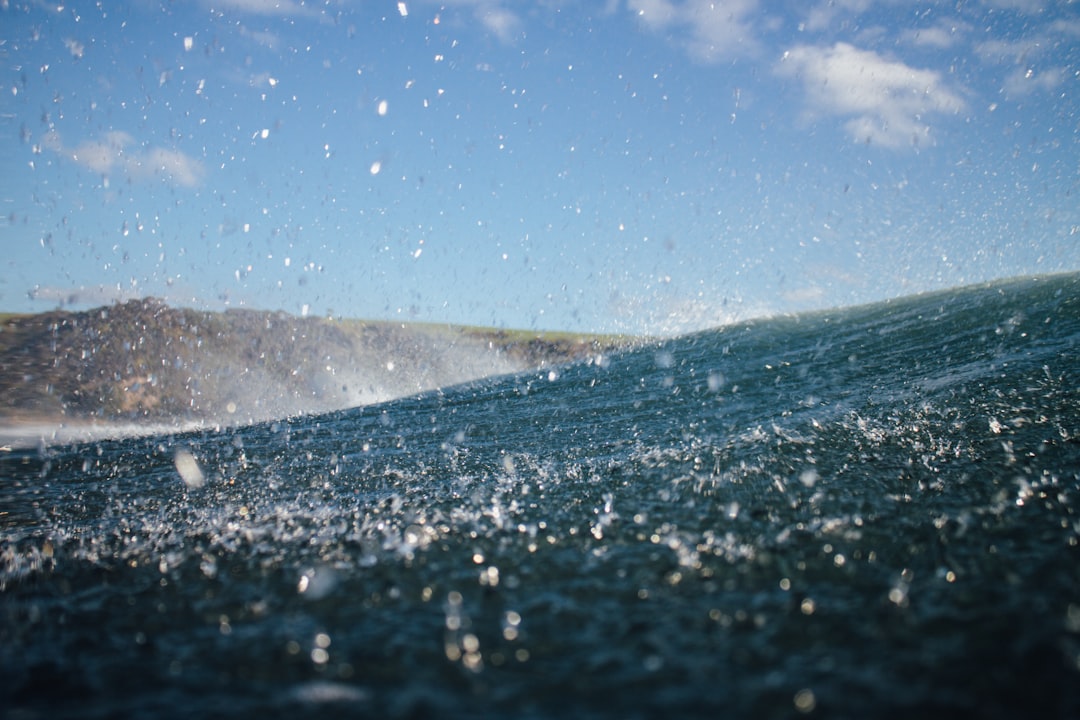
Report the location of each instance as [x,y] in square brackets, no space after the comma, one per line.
[862,513]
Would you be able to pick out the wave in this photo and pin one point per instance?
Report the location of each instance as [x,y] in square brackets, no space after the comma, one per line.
[867,511]
[407,364]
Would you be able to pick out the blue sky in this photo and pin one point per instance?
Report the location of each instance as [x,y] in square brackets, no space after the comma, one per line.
[632,165]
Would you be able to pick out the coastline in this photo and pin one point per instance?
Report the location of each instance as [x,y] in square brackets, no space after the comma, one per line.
[143,368]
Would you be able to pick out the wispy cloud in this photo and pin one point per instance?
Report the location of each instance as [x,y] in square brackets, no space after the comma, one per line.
[1028,59]
[267,39]
[1023,82]
[709,31]
[887,102]
[237,10]
[823,15]
[173,165]
[941,36]
[1068,28]
[265,7]
[116,152]
[1027,6]
[503,23]
[494,15]
[76,48]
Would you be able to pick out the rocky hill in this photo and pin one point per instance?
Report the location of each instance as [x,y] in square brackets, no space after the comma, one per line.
[145,362]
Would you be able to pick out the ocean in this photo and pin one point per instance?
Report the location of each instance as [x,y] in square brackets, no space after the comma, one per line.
[865,512]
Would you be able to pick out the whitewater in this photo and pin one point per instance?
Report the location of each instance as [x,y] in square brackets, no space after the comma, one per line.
[864,512]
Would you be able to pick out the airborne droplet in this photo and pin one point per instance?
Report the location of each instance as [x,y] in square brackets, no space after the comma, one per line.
[189,469]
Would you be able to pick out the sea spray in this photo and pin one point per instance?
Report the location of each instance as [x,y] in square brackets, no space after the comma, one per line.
[875,513]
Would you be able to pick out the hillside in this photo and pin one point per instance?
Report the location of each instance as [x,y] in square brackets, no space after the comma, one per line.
[143,362]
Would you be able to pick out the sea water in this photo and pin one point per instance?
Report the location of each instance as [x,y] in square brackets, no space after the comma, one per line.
[868,512]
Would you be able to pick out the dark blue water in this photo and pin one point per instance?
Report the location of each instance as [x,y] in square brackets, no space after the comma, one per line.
[871,512]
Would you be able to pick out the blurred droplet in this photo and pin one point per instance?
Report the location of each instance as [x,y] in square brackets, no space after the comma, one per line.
[189,469]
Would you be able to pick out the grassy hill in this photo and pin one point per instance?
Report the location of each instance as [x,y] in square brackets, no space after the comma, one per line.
[142,361]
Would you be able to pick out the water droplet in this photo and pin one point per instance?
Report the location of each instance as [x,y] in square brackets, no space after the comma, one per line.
[805,701]
[316,584]
[189,469]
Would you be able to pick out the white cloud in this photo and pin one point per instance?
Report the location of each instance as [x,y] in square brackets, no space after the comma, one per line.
[268,8]
[76,48]
[102,155]
[265,7]
[888,103]
[939,36]
[1026,62]
[656,14]
[173,165]
[1069,28]
[709,31]
[1008,51]
[503,23]
[117,152]
[1026,6]
[823,15]
[1023,82]
[265,38]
